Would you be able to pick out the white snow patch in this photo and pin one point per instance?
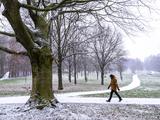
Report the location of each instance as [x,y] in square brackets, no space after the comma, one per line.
[5,76]
[134,84]
[10,100]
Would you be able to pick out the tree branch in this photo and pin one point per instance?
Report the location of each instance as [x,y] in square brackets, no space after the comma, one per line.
[12,13]
[12,51]
[7,34]
[77,53]
[54,6]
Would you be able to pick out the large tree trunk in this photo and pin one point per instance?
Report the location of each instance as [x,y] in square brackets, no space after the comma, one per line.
[41,63]
[38,50]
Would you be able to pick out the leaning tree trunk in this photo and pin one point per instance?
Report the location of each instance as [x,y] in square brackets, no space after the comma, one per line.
[41,63]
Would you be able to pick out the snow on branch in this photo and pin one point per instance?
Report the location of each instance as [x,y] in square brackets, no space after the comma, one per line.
[55,6]
[5,49]
[52,6]
[7,34]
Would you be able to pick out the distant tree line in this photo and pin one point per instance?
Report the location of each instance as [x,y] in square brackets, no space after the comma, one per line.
[17,65]
[152,63]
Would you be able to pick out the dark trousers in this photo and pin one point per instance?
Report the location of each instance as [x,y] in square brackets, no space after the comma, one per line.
[111,94]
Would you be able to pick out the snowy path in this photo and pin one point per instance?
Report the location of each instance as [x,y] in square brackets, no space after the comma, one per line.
[135,83]
[74,97]
[23,99]
[142,101]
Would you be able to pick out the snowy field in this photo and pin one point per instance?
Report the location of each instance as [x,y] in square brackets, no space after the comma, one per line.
[74,107]
[82,112]
[149,85]
[20,86]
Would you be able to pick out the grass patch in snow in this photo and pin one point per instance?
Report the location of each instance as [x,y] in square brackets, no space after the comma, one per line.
[19,86]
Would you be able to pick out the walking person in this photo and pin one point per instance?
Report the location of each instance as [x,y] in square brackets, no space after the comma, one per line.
[114,86]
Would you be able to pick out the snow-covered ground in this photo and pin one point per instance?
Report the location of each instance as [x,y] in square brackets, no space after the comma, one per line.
[82,112]
[72,97]
[74,107]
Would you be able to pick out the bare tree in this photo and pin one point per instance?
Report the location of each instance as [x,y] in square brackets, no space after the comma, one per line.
[107,47]
[63,30]
[120,66]
[70,69]
[84,59]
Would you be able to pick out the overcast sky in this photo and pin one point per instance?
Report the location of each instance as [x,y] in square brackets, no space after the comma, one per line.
[146,43]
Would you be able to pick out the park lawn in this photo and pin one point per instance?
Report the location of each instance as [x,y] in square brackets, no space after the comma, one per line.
[16,81]
[150,87]
[20,86]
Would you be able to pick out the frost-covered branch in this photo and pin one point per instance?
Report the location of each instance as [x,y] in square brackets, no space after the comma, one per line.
[7,34]
[5,49]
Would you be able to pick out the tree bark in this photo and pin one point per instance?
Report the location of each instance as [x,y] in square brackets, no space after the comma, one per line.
[2,65]
[60,84]
[41,63]
[69,70]
[102,76]
[121,76]
[75,69]
[97,74]
[85,73]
